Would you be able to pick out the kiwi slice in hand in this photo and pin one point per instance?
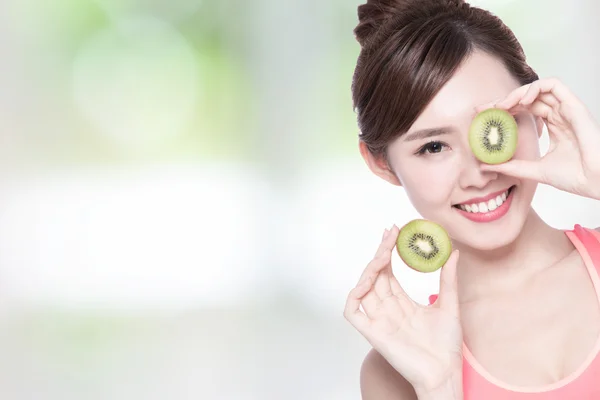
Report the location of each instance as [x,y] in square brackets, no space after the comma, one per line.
[493,136]
[423,245]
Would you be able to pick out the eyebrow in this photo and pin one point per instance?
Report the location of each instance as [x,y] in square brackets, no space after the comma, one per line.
[427,133]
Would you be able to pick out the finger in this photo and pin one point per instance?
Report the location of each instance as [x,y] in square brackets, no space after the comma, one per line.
[532,94]
[381,286]
[382,255]
[402,297]
[390,292]
[352,310]
[548,114]
[513,98]
[485,106]
[372,301]
[509,103]
[540,109]
[387,242]
[535,94]
[392,287]
[549,99]
[523,169]
[550,86]
[545,107]
[397,289]
[383,283]
[526,94]
[448,297]
[368,270]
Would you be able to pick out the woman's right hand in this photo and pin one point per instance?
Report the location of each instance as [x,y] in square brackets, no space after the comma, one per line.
[423,343]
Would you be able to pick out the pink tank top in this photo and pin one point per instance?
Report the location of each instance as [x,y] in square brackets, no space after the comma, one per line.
[582,384]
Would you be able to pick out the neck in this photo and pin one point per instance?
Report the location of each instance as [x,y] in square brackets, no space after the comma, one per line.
[502,270]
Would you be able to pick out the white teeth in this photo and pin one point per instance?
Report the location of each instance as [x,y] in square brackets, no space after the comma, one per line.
[484,207]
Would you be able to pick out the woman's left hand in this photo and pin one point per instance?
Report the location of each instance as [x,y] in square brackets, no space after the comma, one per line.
[572,163]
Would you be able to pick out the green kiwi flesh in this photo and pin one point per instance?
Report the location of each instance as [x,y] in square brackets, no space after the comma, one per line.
[493,136]
[423,245]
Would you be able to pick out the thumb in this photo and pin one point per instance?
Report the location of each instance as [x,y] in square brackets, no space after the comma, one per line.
[448,297]
[523,169]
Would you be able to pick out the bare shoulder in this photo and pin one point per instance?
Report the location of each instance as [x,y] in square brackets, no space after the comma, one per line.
[380,381]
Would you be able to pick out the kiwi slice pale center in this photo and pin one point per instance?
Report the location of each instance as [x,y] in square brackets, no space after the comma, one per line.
[423,245]
[494,137]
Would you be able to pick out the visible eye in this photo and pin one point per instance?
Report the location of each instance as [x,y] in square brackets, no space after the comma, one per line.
[432,148]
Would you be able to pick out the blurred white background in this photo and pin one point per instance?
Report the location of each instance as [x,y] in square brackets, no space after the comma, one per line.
[183,206]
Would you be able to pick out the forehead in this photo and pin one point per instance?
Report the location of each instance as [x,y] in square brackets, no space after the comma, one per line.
[480,79]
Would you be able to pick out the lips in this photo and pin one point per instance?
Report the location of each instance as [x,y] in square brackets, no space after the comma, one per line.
[489,208]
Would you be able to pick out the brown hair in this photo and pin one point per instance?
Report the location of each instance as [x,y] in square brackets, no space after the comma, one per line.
[409,50]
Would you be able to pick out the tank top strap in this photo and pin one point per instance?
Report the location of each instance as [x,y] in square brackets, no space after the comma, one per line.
[587,241]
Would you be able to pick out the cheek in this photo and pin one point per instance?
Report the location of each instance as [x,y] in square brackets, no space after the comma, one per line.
[432,185]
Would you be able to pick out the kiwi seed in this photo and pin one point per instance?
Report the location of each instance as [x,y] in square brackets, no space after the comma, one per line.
[423,245]
[493,136]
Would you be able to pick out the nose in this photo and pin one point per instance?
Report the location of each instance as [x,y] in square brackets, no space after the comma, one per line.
[471,175]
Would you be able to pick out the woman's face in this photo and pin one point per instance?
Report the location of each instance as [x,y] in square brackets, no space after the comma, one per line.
[441,176]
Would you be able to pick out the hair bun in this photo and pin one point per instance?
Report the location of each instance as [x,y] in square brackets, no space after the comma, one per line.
[375,13]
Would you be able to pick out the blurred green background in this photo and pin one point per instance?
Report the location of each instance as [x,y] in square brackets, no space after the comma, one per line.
[183,207]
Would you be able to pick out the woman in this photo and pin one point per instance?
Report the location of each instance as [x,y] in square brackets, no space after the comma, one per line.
[518,313]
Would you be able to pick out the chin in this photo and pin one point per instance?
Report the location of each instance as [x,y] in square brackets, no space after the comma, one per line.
[489,241]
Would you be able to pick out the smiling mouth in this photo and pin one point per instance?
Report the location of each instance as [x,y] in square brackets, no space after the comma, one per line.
[485,206]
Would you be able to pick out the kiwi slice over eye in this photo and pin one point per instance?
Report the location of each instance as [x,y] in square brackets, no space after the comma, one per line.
[493,136]
[423,245]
